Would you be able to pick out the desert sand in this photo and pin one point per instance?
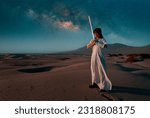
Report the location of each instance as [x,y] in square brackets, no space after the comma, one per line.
[67,77]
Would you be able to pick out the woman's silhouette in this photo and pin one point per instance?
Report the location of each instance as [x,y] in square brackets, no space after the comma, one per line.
[98,65]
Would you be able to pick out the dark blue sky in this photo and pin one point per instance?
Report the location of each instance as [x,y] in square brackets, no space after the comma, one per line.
[29,26]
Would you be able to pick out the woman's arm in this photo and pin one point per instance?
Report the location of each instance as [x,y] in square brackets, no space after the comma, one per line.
[91,44]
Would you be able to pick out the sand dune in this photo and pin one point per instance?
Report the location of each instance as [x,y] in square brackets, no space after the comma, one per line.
[67,76]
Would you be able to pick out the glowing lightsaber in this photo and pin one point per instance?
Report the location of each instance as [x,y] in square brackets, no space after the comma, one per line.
[91,26]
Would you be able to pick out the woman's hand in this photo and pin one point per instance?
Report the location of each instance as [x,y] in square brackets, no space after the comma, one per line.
[91,44]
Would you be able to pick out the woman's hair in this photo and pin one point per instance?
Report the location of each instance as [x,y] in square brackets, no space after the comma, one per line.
[99,31]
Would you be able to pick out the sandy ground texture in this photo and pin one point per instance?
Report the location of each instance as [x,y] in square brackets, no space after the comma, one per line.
[67,77]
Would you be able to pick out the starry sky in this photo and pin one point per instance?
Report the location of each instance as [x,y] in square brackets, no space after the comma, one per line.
[49,26]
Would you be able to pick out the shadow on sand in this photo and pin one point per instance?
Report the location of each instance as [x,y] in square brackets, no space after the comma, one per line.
[37,70]
[131,90]
[126,68]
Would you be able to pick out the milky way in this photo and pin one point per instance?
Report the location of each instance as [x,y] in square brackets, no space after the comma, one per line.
[60,25]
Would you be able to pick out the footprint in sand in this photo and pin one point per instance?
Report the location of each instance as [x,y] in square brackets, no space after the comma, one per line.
[108,96]
[31,88]
[85,98]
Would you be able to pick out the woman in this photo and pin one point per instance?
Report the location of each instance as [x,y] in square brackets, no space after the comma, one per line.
[98,65]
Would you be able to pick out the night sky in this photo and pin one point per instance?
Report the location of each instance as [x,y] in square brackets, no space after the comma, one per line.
[48,26]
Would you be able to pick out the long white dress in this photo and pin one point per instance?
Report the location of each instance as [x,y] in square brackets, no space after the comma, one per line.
[98,66]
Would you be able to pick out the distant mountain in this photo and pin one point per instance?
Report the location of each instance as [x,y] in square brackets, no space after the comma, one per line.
[115,49]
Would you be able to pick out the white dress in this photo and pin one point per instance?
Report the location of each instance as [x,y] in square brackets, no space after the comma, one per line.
[98,66]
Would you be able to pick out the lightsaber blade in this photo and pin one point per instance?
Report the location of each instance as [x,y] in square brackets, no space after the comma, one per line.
[91,26]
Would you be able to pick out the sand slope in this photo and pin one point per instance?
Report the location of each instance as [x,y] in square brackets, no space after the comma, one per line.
[66,77]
